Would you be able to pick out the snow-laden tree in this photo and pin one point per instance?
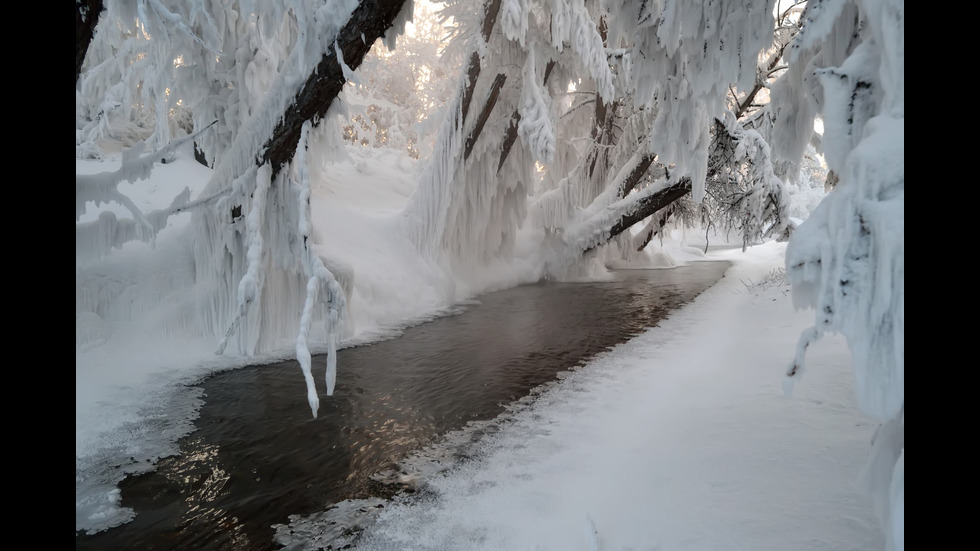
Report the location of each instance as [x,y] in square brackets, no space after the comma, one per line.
[656,75]
[575,119]
[252,80]
[847,261]
[583,119]
[561,121]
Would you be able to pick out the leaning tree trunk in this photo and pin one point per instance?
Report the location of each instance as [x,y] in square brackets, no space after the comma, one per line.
[490,12]
[515,120]
[369,22]
[255,234]
[643,208]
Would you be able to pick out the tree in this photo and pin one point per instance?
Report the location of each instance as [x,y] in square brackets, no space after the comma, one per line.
[579,119]
[847,261]
[394,94]
[157,70]
[255,238]
[598,110]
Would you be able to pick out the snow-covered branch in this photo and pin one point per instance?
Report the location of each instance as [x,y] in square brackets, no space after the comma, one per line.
[847,260]
[96,239]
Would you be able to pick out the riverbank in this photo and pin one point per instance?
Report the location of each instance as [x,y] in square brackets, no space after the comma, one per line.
[256,457]
[682,438]
[140,337]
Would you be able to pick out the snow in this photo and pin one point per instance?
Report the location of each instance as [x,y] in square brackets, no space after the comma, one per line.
[685,55]
[681,438]
[745,420]
[535,127]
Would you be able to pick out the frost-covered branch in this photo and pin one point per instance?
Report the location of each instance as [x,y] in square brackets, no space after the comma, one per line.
[481,120]
[741,182]
[536,126]
[170,20]
[745,190]
[515,120]
[96,239]
[613,220]
[103,187]
[490,12]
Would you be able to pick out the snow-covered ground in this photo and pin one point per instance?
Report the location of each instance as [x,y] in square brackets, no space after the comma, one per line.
[683,438]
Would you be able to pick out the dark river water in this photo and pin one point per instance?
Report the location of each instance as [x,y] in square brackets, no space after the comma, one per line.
[257,455]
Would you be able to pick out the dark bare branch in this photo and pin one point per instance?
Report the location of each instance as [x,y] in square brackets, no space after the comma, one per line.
[509,138]
[515,120]
[771,66]
[498,83]
[636,174]
[490,11]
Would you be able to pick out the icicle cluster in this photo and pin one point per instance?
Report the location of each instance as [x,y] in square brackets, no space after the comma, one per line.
[424,220]
[468,208]
[162,67]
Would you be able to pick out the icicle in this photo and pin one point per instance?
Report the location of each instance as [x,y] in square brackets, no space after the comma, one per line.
[302,348]
[513,20]
[303,351]
[560,23]
[397,28]
[349,75]
[317,274]
[331,374]
[425,217]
